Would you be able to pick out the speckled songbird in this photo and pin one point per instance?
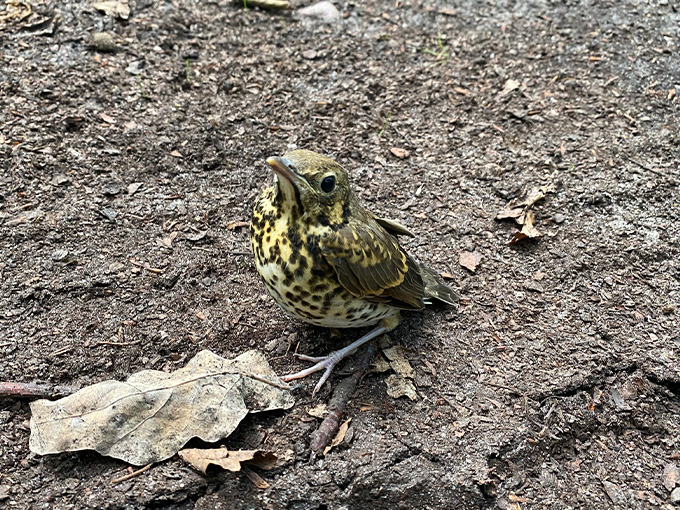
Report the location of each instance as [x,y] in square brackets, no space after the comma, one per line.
[328,261]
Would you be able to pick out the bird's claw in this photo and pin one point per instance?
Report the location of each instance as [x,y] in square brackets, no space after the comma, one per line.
[325,363]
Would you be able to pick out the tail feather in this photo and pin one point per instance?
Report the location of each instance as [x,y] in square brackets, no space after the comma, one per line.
[436,288]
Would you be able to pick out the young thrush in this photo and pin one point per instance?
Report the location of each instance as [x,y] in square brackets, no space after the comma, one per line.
[328,261]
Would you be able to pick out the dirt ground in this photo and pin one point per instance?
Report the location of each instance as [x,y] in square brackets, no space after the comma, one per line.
[127,181]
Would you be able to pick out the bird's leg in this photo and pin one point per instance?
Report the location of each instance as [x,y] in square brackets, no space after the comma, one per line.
[327,363]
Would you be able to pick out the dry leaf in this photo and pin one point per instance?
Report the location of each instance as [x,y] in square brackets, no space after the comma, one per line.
[380,366]
[398,361]
[118,8]
[133,187]
[509,86]
[470,260]
[394,352]
[528,230]
[318,411]
[517,206]
[402,367]
[152,415]
[166,242]
[400,153]
[338,437]
[397,387]
[200,459]
[257,480]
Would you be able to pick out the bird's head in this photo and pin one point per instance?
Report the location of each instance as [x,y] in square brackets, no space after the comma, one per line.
[314,186]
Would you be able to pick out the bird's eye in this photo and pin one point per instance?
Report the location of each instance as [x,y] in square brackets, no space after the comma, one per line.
[328,184]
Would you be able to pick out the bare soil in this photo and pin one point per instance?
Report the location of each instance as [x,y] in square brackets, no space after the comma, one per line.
[126,184]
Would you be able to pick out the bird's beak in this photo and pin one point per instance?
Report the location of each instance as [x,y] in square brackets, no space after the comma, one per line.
[285,169]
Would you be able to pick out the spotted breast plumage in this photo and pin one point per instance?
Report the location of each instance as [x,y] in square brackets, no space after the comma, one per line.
[327,260]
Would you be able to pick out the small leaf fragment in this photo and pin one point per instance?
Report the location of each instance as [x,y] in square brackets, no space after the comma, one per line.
[318,411]
[338,437]
[470,260]
[398,386]
[400,153]
[528,230]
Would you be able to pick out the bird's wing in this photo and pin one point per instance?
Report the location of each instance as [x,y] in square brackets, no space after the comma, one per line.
[370,264]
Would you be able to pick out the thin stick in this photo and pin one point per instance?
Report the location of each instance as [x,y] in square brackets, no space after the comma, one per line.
[336,407]
[131,475]
[34,390]
[646,167]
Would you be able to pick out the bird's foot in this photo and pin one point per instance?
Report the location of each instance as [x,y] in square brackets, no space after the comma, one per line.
[327,363]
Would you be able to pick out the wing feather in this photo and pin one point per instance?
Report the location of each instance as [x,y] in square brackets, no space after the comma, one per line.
[370,264]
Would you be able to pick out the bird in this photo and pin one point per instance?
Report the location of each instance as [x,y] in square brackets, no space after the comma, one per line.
[328,261]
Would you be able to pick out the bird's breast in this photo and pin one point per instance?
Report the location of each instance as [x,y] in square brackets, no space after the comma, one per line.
[288,256]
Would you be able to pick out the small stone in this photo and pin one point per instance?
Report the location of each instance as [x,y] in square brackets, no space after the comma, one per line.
[323,11]
[271,345]
[309,54]
[59,179]
[60,255]
[135,67]
[559,218]
[675,495]
[104,42]
[615,493]
[110,189]
[533,286]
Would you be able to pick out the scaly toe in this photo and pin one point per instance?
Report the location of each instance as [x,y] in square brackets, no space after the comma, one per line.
[313,359]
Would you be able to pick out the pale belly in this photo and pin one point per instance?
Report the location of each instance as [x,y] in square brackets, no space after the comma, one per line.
[333,307]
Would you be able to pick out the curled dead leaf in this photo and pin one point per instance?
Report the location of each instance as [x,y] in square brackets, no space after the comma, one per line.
[528,230]
[201,459]
[398,386]
[118,8]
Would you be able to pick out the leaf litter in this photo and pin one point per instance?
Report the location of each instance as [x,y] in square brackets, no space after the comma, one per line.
[152,415]
[400,384]
[520,210]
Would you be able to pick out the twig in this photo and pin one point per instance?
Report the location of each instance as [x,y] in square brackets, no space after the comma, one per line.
[34,390]
[645,167]
[131,475]
[117,344]
[343,392]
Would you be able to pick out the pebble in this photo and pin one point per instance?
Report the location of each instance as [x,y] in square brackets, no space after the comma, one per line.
[675,495]
[104,42]
[323,11]
[60,255]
